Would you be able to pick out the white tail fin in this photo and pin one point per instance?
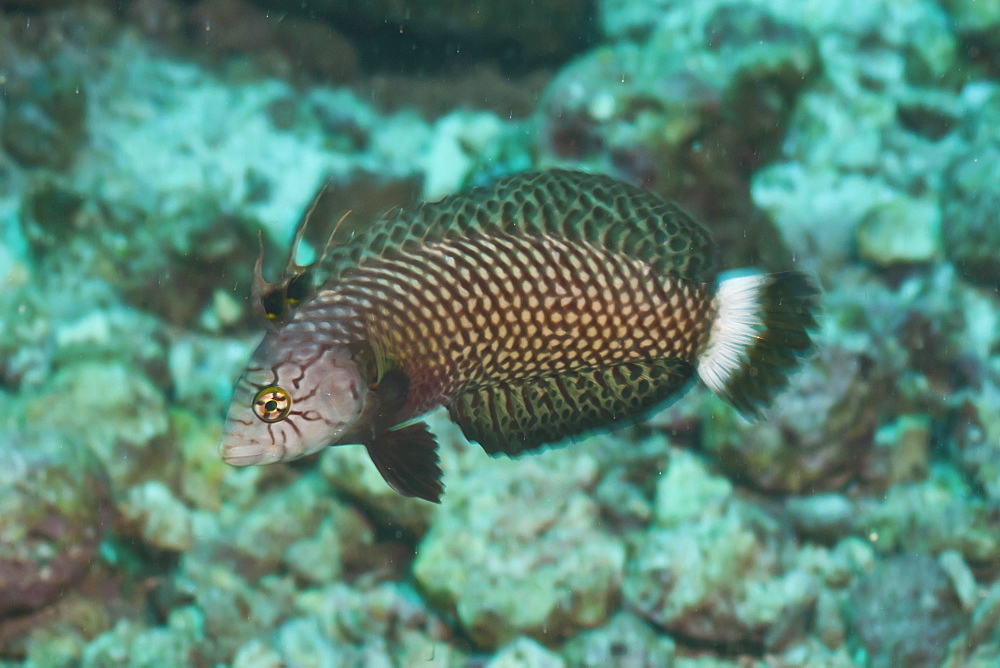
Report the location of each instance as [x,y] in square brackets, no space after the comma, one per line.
[761,329]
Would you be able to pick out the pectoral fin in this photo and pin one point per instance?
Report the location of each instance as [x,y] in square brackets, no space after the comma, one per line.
[407,459]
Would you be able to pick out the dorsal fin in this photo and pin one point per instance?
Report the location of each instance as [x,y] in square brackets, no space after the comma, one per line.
[274,303]
[510,418]
[589,208]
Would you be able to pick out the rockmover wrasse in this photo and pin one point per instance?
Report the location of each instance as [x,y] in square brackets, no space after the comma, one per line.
[550,304]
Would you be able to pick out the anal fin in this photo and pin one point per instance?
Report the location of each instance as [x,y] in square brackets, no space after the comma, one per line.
[514,417]
[407,459]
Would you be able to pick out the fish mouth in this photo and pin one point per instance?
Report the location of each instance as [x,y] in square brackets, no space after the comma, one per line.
[247,454]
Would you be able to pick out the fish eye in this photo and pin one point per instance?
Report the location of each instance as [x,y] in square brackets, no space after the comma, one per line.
[272,403]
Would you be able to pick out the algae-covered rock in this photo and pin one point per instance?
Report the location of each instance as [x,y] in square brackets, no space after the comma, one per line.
[383,623]
[933,515]
[718,576]
[903,231]
[625,640]
[980,643]
[301,642]
[180,641]
[721,581]
[45,91]
[817,434]
[906,612]
[118,414]
[525,652]
[977,437]
[970,201]
[53,514]
[350,470]
[518,549]
[978,24]
[521,31]
[304,528]
[233,610]
[163,520]
[291,47]
[821,517]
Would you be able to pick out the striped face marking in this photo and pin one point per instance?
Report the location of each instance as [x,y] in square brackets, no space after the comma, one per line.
[294,399]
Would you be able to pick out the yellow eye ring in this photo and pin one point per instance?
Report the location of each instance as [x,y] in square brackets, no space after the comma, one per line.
[272,403]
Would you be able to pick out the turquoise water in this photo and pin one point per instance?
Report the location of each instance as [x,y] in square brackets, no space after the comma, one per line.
[145,147]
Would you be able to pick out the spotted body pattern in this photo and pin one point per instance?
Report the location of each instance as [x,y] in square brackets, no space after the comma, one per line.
[552,303]
[557,275]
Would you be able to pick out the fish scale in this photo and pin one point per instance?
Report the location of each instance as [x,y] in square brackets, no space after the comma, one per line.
[549,304]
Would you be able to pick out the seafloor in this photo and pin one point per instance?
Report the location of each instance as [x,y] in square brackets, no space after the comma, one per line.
[143,145]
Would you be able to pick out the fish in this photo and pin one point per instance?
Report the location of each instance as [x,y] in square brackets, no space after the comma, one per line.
[546,306]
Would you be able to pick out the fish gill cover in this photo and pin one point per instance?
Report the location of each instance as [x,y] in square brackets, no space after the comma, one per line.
[147,147]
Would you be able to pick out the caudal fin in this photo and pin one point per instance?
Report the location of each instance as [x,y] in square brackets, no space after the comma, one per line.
[761,329]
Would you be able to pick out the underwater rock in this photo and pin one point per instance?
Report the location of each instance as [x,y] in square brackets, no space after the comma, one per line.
[229,26]
[181,641]
[978,24]
[721,575]
[821,517]
[631,19]
[817,433]
[970,201]
[516,550]
[203,473]
[483,86]
[925,340]
[663,114]
[53,511]
[962,579]
[343,543]
[520,31]
[906,612]
[118,414]
[44,91]
[901,453]
[156,19]
[350,470]
[831,628]
[625,640]
[933,515]
[977,439]
[301,642]
[380,624]
[813,652]
[877,125]
[722,582]
[142,254]
[234,611]
[525,652]
[164,521]
[903,231]
[53,318]
[257,654]
[456,140]
[291,526]
[687,491]
[289,47]
[980,644]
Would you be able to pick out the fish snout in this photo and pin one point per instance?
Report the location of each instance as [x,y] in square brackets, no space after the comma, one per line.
[238,450]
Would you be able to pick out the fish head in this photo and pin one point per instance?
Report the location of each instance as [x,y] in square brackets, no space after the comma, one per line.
[294,398]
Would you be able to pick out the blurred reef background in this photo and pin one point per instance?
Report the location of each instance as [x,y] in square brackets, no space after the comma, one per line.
[143,145]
